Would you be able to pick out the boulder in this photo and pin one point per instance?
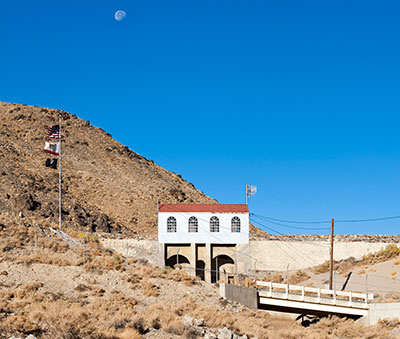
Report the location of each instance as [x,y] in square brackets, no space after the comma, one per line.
[188,321]
[102,223]
[199,322]
[225,333]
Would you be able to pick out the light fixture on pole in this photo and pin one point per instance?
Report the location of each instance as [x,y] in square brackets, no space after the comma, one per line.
[250,191]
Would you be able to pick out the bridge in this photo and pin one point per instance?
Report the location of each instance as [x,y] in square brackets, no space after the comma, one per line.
[311,300]
[299,299]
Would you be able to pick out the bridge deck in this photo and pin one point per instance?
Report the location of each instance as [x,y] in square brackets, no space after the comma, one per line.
[301,299]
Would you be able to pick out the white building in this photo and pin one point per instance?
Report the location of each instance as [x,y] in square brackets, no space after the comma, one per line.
[203,237]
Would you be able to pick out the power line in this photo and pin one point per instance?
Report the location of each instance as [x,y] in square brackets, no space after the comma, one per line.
[295,221]
[273,230]
[289,226]
[328,221]
[372,219]
[312,262]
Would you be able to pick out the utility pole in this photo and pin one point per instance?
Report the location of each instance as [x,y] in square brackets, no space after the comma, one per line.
[59,179]
[331,257]
[247,194]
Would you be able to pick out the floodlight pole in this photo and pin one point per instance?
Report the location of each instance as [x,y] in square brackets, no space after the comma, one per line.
[59,178]
[331,257]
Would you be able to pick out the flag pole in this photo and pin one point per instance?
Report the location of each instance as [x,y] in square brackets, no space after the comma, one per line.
[59,179]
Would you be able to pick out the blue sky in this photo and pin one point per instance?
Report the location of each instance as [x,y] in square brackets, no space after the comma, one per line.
[300,98]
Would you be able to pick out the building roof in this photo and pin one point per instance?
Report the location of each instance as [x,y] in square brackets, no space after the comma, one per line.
[210,208]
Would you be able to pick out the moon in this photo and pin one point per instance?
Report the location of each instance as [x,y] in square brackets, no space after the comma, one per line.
[119,15]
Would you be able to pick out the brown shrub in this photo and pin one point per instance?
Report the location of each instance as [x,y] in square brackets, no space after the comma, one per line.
[181,275]
[138,325]
[389,252]
[392,297]
[129,333]
[343,328]
[298,277]
[99,263]
[343,266]
[55,244]
[149,289]
[389,323]
[275,277]
[322,268]
[176,327]
[82,288]
[48,257]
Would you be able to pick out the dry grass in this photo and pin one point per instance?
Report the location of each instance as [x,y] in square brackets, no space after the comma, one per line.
[392,297]
[274,277]
[362,271]
[99,313]
[396,262]
[389,252]
[298,277]
[149,289]
[46,256]
[323,268]
[250,322]
[57,316]
[389,323]
[334,327]
[343,266]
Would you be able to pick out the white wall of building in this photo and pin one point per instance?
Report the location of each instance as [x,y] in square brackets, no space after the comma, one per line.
[204,236]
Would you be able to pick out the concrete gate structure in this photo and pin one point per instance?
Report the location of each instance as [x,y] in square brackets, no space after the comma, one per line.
[203,238]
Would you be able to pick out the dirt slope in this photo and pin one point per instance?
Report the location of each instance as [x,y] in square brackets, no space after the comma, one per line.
[106,185]
[52,291]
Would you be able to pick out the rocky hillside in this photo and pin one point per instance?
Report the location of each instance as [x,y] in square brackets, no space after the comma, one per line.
[107,187]
[48,289]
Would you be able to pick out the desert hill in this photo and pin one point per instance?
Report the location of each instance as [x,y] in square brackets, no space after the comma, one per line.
[52,289]
[106,185]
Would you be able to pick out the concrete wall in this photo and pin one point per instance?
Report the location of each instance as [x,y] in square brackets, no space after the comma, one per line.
[224,236]
[276,255]
[243,295]
[381,311]
[270,255]
[149,250]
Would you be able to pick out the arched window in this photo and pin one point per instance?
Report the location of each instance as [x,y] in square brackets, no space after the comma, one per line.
[193,224]
[171,224]
[235,224]
[214,224]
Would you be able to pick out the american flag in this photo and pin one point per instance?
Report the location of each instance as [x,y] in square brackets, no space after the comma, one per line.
[53,132]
